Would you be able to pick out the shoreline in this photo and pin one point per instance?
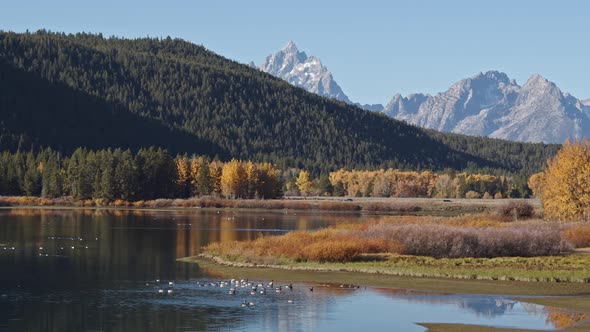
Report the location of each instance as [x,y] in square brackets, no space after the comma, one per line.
[569,296]
[341,267]
[337,205]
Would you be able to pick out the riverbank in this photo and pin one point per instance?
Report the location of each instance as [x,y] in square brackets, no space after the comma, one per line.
[377,205]
[571,296]
[573,268]
[337,274]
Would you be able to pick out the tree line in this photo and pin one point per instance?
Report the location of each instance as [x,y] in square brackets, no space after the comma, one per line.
[149,173]
[396,183]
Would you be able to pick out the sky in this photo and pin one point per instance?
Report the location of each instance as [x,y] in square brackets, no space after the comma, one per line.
[374,49]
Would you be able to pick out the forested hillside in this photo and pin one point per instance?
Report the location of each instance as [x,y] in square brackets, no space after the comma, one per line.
[65,91]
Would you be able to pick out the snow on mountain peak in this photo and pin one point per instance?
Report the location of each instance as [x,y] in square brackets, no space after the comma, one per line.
[305,72]
[290,48]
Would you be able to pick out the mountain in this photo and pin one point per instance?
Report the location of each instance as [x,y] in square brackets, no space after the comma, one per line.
[302,71]
[404,108]
[491,104]
[68,90]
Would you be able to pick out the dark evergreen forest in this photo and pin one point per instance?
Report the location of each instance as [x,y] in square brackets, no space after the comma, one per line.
[67,91]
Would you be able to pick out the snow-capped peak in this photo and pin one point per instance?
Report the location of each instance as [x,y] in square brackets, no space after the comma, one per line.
[306,72]
[290,48]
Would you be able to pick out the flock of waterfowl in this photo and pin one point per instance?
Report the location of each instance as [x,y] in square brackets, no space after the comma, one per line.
[241,287]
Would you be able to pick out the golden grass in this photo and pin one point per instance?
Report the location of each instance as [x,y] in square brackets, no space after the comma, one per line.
[481,220]
[326,245]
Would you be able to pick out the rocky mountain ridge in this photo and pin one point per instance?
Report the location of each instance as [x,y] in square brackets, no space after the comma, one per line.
[491,104]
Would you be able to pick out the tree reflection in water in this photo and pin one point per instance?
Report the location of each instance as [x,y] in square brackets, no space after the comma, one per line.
[74,270]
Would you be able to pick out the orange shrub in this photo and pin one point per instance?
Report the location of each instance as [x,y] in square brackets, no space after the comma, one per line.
[101,202]
[120,202]
[139,203]
[376,246]
[578,235]
[45,201]
[560,318]
[326,245]
[332,251]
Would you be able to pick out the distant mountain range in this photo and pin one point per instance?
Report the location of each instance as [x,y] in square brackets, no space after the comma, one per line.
[490,104]
[487,104]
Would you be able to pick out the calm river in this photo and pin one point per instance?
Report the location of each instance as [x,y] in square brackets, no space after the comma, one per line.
[98,270]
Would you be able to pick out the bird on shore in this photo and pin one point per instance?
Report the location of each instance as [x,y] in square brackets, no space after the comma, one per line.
[311,289]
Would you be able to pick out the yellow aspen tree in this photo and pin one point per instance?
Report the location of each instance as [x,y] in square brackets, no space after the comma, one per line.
[339,182]
[194,172]
[535,182]
[215,172]
[233,179]
[304,183]
[566,185]
[182,171]
[252,180]
[183,175]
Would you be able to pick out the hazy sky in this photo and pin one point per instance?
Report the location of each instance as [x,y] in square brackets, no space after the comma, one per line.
[373,48]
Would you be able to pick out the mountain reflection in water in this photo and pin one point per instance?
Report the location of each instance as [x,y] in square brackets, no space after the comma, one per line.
[72,270]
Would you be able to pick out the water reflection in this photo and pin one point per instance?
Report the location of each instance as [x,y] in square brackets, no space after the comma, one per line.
[71,270]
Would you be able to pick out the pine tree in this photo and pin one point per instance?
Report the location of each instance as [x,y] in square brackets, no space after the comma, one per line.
[203,177]
[51,182]
[32,180]
[125,176]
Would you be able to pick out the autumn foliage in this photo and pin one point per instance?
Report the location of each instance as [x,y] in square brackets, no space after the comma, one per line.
[396,183]
[564,187]
[241,179]
[326,245]
[578,235]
